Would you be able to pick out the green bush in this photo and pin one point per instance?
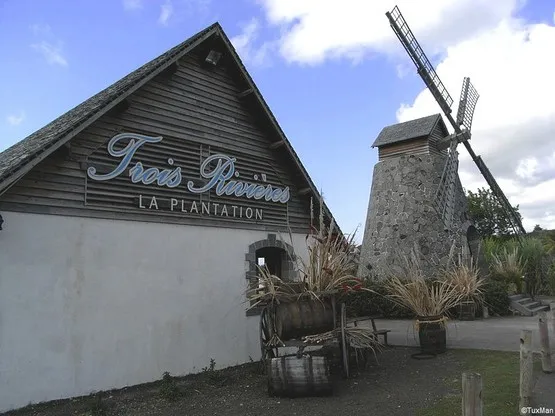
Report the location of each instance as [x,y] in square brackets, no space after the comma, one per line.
[536,255]
[535,259]
[496,298]
[364,303]
[495,246]
[551,280]
[508,267]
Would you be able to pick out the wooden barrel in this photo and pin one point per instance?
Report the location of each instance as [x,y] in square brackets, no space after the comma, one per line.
[293,376]
[304,317]
[467,311]
[432,335]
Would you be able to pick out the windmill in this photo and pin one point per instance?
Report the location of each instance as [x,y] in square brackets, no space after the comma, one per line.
[444,197]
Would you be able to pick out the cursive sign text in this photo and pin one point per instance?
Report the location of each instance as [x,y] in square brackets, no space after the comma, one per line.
[220,178]
[223,178]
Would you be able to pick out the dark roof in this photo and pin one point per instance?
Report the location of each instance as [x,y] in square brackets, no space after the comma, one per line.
[408,130]
[20,158]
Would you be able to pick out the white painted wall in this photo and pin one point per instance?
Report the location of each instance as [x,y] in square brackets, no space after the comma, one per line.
[89,305]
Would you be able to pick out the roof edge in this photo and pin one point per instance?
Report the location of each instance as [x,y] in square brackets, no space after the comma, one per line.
[442,124]
[279,131]
[400,141]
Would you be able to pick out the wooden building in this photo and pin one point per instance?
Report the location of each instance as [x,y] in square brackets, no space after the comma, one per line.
[133,225]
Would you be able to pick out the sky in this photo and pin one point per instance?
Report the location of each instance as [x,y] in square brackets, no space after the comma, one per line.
[333,74]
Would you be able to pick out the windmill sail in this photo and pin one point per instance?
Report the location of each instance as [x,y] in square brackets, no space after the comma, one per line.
[467,104]
[444,200]
[469,97]
[424,66]
[513,218]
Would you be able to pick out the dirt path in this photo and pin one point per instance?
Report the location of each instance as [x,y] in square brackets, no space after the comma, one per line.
[398,385]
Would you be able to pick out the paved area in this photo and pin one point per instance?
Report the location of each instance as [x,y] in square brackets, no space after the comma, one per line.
[544,392]
[502,334]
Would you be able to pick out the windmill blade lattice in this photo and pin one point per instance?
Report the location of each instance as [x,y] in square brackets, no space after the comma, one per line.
[444,200]
[424,66]
[467,104]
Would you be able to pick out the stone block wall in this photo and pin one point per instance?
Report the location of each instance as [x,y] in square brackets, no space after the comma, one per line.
[401,216]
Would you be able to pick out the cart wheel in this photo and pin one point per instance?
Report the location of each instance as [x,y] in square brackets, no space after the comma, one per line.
[344,343]
[267,330]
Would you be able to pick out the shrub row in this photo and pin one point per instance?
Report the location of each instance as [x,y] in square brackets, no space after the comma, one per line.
[496,298]
[364,303]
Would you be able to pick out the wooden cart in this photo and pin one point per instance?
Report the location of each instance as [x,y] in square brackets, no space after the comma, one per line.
[284,325]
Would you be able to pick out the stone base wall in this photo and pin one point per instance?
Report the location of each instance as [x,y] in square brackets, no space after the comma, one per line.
[401,217]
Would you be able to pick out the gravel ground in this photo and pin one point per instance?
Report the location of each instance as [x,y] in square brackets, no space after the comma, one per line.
[395,385]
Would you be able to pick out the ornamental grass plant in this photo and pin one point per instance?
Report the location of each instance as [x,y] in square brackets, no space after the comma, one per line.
[463,273]
[425,297]
[438,295]
[508,266]
[330,266]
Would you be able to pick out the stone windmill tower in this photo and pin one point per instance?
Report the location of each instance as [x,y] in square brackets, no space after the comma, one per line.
[417,200]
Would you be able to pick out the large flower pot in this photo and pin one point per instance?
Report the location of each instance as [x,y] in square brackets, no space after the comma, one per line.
[467,310]
[432,334]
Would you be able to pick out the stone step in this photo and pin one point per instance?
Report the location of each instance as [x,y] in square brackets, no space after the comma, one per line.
[530,304]
[526,306]
[539,309]
[522,301]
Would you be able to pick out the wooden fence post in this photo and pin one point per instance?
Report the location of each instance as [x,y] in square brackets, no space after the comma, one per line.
[526,367]
[472,394]
[547,366]
[552,313]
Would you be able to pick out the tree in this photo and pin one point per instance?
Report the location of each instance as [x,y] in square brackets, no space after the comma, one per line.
[537,227]
[488,214]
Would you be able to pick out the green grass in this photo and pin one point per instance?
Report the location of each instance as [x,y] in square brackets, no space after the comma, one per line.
[500,383]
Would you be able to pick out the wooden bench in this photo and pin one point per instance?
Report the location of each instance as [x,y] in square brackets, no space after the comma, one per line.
[377,332]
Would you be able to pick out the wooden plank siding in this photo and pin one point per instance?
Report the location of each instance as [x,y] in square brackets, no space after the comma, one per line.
[198,113]
[435,136]
[408,147]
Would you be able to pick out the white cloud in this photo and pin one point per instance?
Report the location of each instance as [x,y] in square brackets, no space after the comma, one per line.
[41,29]
[132,4]
[403,70]
[49,46]
[315,30]
[527,168]
[244,44]
[52,53]
[15,119]
[166,11]
[510,62]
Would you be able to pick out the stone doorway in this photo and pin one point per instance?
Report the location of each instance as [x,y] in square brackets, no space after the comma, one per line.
[276,255]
